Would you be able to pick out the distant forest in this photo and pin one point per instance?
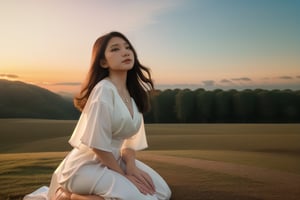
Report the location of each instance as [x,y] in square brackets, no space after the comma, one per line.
[218,106]
[22,100]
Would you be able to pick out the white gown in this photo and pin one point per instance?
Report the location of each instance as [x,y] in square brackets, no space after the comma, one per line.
[105,124]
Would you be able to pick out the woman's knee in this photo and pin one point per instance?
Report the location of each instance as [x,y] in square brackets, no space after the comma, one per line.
[167,194]
[164,192]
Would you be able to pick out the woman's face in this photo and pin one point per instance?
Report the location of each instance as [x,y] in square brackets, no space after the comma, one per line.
[118,55]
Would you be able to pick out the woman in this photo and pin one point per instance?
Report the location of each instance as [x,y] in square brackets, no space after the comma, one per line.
[102,164]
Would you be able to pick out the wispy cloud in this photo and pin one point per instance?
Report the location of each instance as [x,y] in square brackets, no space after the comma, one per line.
[14,76]
[208,82]
[225,81]
[285,77]
[242,79]
[68,83]
[268,83]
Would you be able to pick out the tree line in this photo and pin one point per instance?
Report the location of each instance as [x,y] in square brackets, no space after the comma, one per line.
[219,106]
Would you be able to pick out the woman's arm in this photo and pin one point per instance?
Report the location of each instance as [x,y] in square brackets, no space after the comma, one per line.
[128,156]
[109,160]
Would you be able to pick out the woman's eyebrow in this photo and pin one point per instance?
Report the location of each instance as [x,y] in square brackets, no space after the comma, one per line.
[117,44]
[114,45]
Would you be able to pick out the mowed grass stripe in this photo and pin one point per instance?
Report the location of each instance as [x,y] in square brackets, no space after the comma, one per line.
[275,161]
[31,135]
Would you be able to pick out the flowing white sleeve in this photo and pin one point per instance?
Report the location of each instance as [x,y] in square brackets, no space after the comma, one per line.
[94,126]
[138,141]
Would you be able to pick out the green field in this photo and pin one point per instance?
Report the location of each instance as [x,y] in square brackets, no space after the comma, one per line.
[31,149]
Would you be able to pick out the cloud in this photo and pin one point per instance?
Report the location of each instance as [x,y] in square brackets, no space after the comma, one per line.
[68,83]
[9,76]
[225,81]
[241,79]
[208,83]
[285,77]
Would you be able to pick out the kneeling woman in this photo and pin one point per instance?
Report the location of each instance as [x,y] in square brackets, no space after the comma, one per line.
[102,164]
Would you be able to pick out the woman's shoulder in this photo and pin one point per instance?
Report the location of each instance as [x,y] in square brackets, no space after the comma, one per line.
[104,84]
[103,89]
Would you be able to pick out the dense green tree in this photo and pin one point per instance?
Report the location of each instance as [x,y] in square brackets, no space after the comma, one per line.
[288,104]
[153,115]
[245,103]
[149,116]
[266,107]
[164,106]
[205,106]
[185,106]
[224,106]
[167,108]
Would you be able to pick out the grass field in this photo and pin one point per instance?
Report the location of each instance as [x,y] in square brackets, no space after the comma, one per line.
[31,149]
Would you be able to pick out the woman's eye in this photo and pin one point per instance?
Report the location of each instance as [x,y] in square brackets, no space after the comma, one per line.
[128,47]
[114,49]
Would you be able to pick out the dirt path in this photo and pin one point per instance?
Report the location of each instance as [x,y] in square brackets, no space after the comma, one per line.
[276,183]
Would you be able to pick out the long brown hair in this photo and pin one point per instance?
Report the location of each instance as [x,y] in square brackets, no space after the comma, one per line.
[138,81]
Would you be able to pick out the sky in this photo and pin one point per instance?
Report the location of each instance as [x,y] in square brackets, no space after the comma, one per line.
[226,44]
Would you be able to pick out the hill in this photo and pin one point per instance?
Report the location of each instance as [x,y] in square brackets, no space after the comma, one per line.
[22,100]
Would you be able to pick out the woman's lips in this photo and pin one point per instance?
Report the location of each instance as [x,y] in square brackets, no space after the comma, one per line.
[126,61]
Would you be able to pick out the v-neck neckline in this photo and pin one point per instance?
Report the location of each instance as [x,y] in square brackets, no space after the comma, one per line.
[131,115]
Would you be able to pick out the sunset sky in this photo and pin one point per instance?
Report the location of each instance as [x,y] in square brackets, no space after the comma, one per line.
[187,43]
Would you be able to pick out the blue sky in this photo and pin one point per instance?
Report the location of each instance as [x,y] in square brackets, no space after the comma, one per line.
[187,43]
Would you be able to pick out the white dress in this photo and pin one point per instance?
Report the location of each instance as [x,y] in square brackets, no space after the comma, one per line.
[105,124]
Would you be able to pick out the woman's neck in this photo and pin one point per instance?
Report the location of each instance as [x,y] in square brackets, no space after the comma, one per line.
[119,79]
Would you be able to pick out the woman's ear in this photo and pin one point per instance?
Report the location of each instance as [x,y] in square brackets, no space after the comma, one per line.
[103,63]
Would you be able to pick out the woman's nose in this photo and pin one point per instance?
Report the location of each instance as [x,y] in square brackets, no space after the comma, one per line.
[125,52]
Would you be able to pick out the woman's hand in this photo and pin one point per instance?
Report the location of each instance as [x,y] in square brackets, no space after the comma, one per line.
[141,179]
[140,186]
[138,177]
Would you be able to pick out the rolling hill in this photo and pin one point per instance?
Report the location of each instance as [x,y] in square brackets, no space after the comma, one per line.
[22,100]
